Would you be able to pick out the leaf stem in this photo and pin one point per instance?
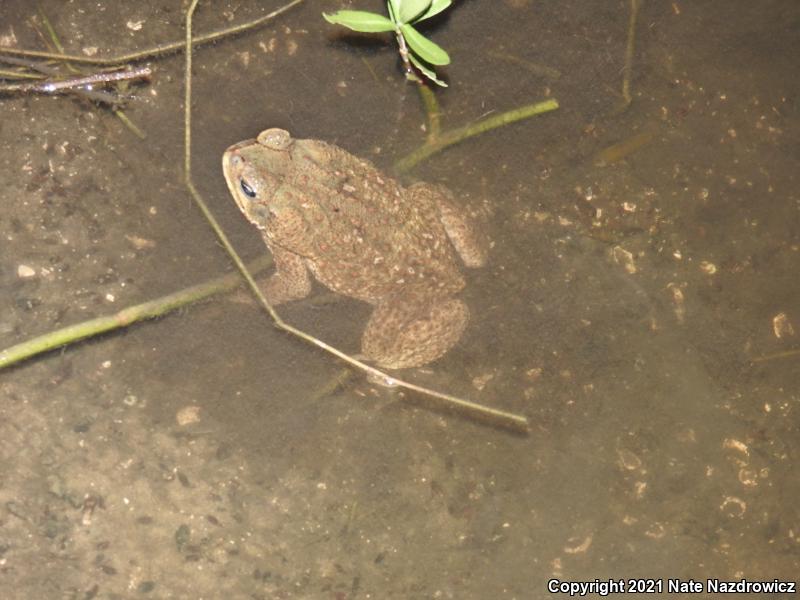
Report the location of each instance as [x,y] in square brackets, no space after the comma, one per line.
[131,314]
[455,136]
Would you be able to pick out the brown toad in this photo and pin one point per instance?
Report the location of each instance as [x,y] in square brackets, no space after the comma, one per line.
[361,234]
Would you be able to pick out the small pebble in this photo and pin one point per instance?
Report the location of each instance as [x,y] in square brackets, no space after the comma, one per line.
[188,415]
[25,272]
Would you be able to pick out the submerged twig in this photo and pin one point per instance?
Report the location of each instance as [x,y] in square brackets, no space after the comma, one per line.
[626,147]
[776,355]
[629,47]
[4,74]
[51,32]
[432,110]
[129,124]
[454,136]
[32,65]
[125,317]
[535,68]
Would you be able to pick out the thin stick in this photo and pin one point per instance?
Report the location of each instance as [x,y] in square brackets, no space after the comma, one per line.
[535,68]
[621,150]
[98,96]
[61,85]
[151,52]
[4,74]
[120,114]
[54,38]
[629,47]
[41,67]
[784,354]
[454,136]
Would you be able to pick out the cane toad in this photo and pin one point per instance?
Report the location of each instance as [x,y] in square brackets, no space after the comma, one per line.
[327,213]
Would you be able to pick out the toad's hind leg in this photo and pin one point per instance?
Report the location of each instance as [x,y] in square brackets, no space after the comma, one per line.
[402,334]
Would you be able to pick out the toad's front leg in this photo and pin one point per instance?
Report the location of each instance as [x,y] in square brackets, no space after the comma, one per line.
[290,281]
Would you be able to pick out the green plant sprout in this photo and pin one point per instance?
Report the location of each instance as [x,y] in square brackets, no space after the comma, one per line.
[415,48]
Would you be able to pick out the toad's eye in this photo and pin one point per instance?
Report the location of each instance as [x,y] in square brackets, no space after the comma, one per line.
[248,191]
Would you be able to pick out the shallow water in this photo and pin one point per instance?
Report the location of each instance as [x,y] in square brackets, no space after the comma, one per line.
[643,315]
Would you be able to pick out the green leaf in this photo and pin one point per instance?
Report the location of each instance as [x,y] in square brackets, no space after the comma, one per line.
[423,47]
[359,20]
[408,10]
[426,71]
[436,7]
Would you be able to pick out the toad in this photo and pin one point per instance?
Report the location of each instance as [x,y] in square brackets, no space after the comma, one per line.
[327,213]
